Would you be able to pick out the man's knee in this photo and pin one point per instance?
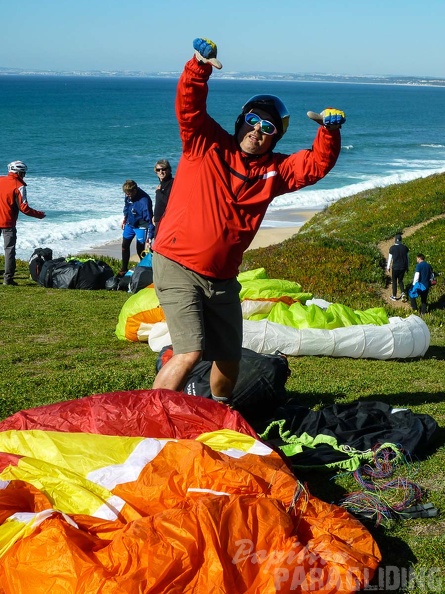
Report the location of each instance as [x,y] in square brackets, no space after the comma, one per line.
[173,374]
[189,360]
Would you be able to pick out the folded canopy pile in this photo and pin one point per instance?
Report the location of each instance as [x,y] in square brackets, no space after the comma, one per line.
[141,492]
[278,316]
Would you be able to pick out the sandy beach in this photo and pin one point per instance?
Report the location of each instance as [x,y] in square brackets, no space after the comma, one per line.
[265,237]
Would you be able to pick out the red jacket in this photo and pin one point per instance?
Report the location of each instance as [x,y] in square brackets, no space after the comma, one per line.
[13,199]
[221,194]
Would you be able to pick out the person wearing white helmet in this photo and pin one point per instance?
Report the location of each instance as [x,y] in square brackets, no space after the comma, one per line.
[223,186]
[13,200]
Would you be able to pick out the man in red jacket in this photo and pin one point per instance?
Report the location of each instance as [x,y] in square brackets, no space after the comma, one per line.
[223,186]
[12,201]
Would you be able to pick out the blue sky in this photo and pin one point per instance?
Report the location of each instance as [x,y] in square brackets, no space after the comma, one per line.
[399,37]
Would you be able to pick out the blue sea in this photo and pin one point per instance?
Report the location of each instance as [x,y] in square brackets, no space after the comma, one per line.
[83,136]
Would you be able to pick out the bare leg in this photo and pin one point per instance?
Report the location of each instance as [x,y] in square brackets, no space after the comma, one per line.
[223,376]
[174,373]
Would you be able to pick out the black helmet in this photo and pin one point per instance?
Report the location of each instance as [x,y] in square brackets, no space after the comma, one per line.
[272,105]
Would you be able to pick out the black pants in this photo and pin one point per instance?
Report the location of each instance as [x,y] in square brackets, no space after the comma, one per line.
[126,243]
[397,278]
[423,299]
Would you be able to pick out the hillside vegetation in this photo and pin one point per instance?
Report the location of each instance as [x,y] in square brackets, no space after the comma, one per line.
[335,255]
[58,345]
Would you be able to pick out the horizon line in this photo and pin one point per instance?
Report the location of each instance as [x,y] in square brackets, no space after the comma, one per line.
[283,76]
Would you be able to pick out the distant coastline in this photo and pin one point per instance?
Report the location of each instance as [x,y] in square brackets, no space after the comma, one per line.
[271,76]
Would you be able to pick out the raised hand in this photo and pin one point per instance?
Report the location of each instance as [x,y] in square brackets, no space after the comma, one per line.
[330,118]
[206,51]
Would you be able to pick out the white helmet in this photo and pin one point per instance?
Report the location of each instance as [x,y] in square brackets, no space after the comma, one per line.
[17,167]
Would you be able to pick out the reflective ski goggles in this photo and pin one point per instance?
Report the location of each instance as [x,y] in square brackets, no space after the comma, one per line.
[252,119]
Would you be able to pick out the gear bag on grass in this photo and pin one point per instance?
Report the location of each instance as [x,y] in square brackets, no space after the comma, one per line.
[142,274]
[118,282]
[36,261]
[72,273]
[45,278]
[142,277]
[64,275]
[112,284]
[93,274]
[260,388]
[342,436]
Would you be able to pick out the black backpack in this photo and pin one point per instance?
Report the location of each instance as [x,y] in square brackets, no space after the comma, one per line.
[260,388]
[71,273]
[118,283]
[64,275]
[93,274]
[45,278]
[142,277]
[36,261]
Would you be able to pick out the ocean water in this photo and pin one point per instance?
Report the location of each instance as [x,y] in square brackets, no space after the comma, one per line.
[82,137]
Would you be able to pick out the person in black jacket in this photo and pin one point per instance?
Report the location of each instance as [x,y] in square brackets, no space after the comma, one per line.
[398,257]
[164,172]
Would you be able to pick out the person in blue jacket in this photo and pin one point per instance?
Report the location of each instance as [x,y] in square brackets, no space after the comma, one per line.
[137,222]
[421,284]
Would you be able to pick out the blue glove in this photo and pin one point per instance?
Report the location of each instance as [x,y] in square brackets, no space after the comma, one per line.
[333,118]
[205,51]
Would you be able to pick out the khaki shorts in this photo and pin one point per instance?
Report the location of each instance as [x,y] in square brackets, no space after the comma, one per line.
[202,314]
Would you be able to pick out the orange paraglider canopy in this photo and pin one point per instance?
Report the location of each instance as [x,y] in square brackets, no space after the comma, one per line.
[156,491]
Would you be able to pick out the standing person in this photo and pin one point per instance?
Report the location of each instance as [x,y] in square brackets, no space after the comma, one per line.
[164,172]
[223,186]
[12,200]
[421,284]
[137,222]
[398,257]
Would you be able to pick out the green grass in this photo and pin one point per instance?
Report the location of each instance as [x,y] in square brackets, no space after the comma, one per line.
[58,345]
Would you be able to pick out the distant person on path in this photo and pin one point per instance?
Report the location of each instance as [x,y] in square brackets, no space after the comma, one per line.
[398,257]
[421,284]
[137,222]
[13,200]
[164,172]
[223,186]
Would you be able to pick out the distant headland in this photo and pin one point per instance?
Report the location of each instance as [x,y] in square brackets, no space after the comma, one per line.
[234,75]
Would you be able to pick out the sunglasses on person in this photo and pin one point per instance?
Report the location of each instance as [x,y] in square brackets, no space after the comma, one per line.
[158,169]
[252,119]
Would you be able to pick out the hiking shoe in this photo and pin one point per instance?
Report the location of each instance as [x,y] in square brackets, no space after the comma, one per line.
[11,282]
[404,298]
[393,298]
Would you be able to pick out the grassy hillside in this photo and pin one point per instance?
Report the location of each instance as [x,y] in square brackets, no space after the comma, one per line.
[335,255]
[58,345]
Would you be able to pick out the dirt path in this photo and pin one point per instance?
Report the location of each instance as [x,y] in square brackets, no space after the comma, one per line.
[384,248]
